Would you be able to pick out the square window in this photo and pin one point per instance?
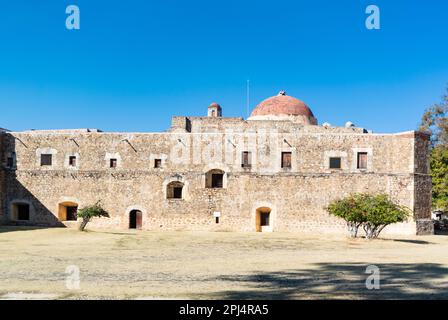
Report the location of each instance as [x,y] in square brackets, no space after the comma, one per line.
[335,163]
[72,161]
[362,160]
[157,163]
[286,159]
[113,163]
[46,159]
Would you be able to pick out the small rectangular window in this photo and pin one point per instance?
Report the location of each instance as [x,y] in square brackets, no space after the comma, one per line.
[286,159]
[46,159]
[113,163]
[335,163]
[362,160]
[246,159]
[157,163]
[72,161]
[216,219]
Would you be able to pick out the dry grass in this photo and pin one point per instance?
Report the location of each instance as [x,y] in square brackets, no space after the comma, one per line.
[220,265]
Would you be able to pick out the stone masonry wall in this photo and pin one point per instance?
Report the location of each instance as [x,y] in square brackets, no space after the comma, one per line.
[297,196]
[2,182]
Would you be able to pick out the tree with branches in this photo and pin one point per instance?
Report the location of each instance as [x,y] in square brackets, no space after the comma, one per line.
[89,212]
[435,121]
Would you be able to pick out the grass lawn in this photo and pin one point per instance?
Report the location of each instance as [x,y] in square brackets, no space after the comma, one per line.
[218,265]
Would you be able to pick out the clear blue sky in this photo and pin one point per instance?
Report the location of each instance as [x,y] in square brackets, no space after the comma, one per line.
[134,64]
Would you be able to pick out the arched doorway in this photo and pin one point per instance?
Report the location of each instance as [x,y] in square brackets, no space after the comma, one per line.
[263,219]
[135,219]
[68,211]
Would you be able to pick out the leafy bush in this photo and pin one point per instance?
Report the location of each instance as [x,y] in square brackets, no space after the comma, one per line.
[89,212]
[373,212]
[350,209]
[439,175]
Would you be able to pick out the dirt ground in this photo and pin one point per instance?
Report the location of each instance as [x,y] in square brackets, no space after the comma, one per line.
[217,265]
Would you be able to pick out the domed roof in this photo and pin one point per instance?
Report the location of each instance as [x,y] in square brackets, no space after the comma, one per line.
[214,105]
[283,107]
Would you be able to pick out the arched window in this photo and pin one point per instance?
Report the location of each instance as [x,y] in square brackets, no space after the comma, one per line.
[214,179]
[174,190]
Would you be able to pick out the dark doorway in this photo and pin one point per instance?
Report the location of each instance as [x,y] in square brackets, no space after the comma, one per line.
[72,213]
[23,211]
[262,218]
[135,219]
[68,211]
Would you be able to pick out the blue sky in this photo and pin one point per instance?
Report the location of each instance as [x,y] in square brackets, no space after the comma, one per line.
[134,64]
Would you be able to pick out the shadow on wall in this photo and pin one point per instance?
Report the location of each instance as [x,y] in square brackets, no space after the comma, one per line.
[339,281]
[16,193]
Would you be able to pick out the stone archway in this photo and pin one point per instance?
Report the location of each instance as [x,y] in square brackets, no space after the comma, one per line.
[135,219]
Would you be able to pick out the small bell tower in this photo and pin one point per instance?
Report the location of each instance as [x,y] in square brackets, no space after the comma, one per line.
[214,110]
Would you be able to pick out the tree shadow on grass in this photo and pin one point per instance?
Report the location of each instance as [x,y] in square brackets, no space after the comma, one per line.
[342,281]
[120,233]
[413,241]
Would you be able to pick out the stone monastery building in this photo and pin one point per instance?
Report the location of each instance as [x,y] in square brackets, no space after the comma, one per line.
[275,171]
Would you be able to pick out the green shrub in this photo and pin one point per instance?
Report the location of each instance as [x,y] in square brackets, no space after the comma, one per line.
[373,212]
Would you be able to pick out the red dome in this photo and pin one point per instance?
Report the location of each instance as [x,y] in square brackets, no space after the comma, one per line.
[282,105]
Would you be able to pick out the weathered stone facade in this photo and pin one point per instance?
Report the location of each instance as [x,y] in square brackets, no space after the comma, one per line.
[2,182]
[132,172]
